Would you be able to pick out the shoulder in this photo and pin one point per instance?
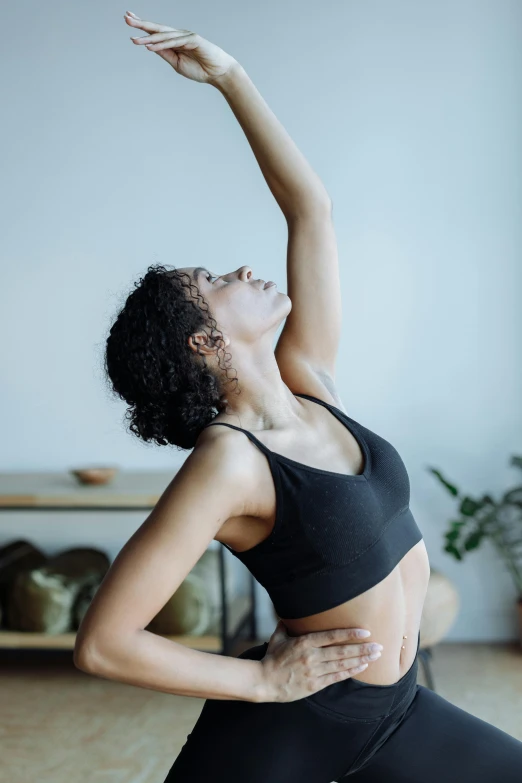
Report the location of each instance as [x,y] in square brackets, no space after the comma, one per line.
[216,480]
[226,454]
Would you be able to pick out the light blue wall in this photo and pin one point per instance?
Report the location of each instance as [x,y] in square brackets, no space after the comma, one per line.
[411,112]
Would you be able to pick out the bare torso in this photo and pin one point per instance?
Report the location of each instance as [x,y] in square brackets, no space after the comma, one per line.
[392,609]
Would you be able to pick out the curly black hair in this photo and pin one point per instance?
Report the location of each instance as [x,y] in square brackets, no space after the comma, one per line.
[172,395]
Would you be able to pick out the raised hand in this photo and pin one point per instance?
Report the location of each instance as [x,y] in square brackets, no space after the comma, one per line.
[187,52]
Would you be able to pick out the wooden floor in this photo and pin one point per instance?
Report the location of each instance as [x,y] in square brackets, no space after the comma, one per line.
[60,725]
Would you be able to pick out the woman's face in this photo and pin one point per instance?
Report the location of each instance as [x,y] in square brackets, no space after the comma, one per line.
[243,308]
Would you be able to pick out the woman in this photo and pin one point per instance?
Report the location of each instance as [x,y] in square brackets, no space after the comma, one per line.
[314,503]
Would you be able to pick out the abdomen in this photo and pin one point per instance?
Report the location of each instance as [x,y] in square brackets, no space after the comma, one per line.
[390,609]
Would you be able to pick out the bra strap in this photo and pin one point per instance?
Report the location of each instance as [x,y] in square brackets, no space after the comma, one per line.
[315,399]
[328,405]
[251,437]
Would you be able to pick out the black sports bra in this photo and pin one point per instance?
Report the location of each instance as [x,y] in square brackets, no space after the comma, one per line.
[334,535]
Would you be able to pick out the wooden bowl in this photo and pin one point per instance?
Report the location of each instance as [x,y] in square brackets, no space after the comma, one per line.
[101,475]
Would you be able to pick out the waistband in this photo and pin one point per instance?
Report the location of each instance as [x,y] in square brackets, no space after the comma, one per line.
[406,677]
[355,700]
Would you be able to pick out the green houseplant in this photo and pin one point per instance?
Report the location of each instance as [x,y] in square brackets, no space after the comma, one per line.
[479,518]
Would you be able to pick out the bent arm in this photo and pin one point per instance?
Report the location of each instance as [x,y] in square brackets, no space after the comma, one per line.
[292,181]
[147,660]
[112,641]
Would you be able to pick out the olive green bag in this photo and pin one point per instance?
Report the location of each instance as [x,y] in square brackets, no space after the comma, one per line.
[16,556]
[195,607]
[43,599]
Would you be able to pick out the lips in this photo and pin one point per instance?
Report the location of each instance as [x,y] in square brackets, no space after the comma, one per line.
[268,284]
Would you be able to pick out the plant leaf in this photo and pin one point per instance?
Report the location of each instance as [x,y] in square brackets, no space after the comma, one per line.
[452,489]
[452,535]
[513,496]
[473,540]
[455,529]
[453,551]
[468,507]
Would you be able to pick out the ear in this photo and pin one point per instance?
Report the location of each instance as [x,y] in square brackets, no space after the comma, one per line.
[202,344]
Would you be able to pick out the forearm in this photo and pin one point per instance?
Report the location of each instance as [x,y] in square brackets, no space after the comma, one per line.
[292,181]
[151,661]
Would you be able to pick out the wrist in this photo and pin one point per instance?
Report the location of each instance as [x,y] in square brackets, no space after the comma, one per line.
[227,80]
[262,691]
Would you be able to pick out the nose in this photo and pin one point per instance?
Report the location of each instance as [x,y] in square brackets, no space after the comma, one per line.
[245,272]
[242,273]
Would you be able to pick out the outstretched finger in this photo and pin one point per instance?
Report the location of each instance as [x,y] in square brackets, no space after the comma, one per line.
[158,37]
[150,27]
[173,42]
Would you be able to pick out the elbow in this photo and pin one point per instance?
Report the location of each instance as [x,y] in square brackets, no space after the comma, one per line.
[102,653]
[315,205]
[87,656]
[83,657]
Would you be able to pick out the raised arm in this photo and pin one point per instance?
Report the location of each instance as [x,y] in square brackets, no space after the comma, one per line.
[308,345]
[309,341]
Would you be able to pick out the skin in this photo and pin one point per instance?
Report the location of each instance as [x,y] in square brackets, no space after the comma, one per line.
[305,432]
[224,489]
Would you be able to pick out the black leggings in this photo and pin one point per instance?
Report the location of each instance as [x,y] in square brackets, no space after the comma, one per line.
[400,733]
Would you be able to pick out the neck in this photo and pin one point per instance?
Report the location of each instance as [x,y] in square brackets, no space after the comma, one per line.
[264,400]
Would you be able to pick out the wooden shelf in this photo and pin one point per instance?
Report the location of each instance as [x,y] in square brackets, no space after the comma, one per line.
[60,489]
[238,607]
